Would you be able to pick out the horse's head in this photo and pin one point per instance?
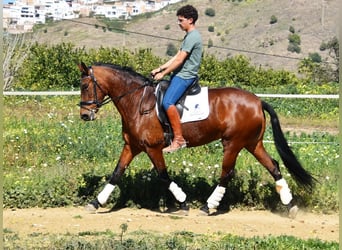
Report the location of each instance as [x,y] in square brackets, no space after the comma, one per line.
[92,95]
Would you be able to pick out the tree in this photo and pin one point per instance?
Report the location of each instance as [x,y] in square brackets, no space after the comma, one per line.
[334,50]
[334,53]
[15,50]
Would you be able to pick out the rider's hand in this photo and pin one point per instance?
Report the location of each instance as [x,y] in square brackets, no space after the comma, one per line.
[155,71]
[157,74]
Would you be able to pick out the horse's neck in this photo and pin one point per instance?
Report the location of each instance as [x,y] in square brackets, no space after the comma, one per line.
[126,100]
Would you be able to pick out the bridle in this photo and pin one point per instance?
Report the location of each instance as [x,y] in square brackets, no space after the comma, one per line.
[96,101]
[108,99]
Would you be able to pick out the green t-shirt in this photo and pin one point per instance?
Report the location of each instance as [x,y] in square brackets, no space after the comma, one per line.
[192,44]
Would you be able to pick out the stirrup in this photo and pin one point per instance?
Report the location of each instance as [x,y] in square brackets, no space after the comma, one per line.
[174,146]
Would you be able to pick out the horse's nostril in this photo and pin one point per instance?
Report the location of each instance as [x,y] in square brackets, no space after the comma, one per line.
[85,117]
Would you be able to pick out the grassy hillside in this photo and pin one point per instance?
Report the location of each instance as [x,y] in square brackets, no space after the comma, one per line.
[238,28]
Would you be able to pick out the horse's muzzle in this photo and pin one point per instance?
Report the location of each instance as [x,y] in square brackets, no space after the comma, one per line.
[88,116]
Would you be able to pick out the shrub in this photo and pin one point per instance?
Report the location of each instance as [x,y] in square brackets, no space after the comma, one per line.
[210,12]
[211,28]
[171,49]
[315,57]
[274,19]
[210,43]
[292,30]
[294,38]
[293,47]
[323,46]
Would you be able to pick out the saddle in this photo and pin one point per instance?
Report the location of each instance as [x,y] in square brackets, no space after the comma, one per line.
[193,89]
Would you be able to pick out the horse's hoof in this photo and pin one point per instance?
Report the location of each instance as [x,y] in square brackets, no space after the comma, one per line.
[204,211]
[183,210]
[90,208]
[177,211]
[293,212]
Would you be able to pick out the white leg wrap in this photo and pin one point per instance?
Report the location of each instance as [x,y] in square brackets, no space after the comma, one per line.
[284,191]
[177,192]
[104,195]
[215,198]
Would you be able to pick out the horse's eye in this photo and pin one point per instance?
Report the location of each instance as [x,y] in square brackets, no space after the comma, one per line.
[84,86]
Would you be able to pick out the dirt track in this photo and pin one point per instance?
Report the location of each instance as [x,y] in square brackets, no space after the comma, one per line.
[236,222]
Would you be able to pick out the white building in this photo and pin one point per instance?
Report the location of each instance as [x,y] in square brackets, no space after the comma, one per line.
[110,11]
[23,14]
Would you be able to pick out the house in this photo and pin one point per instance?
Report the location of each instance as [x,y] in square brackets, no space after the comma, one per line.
[23,14]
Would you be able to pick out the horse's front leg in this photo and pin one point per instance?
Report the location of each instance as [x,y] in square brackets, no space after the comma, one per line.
[158,161]
[228,165]
[125,158]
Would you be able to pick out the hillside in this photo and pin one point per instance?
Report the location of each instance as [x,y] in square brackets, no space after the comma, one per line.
[239,28]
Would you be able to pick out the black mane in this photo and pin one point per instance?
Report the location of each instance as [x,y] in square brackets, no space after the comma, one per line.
[124,69]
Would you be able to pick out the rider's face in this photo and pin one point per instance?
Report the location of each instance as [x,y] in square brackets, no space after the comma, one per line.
[184,23]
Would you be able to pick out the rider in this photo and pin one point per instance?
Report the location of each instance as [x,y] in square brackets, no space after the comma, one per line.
[184,66]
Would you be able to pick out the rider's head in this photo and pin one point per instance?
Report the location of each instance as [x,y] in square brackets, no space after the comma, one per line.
[188,11]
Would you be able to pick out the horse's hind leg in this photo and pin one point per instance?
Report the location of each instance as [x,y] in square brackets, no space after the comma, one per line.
[273,168]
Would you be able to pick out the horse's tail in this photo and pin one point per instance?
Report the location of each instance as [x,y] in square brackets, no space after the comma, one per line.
[290,161]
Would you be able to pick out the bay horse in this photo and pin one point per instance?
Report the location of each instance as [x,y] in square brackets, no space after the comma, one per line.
[235,116]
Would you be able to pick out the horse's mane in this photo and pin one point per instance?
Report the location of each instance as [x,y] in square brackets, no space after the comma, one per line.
[124,69]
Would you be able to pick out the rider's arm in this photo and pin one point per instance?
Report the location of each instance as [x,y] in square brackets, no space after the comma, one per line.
[170,65]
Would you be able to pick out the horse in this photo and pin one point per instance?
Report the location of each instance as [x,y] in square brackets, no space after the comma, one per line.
[236,117]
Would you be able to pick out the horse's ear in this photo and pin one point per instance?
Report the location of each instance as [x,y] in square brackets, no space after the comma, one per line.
[83,68]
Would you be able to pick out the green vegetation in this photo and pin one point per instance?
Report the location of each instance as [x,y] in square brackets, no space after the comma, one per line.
[54,68]
[210,12]
[171,49]
[144,240]
[273,19]
[54,159]
[294,42]
[211,28]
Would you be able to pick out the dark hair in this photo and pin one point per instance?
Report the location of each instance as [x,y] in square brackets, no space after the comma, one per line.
[188,11]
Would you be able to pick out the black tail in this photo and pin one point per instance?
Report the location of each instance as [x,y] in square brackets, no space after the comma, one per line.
[290,161]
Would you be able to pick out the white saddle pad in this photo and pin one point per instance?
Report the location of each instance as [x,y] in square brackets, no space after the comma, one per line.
[197,107]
